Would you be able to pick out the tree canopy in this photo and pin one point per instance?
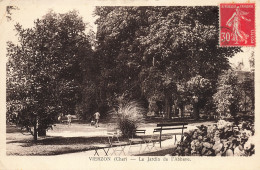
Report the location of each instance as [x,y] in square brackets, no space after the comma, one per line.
[45,70]
[173,44]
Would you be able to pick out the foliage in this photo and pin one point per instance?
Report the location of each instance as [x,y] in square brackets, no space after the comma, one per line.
[45,70]
[218,140]
[198,85]
[228,93]
[9,13]
[140,45]
[199,90]
[129,115]
[247,92]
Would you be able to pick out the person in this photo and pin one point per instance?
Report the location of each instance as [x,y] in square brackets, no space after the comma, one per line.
[69,119]
[97,116]
[59,119]
[235,23]
[92,123]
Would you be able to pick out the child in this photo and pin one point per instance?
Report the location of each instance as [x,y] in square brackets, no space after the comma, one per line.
[92,123]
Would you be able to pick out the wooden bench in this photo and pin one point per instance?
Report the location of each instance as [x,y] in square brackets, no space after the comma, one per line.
[136,139]
[171,126]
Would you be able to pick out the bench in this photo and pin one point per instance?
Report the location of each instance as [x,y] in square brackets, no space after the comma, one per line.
[136,139]
[171,126]
[138,131]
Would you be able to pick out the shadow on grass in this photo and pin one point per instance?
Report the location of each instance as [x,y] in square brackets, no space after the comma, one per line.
[27,139]
[62,141]
[59,140]
[71,140]
[49,145]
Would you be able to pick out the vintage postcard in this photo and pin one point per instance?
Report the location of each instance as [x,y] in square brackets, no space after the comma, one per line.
[129,84]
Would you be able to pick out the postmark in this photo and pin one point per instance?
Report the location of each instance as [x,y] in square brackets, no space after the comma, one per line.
[237,24]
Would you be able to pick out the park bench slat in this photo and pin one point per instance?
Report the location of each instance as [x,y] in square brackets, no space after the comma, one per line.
[139,131]
[159,129]
[171,124]
[182,126]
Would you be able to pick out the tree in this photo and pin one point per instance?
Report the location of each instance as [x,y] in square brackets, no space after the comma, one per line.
[248,85]
[46,69]
[199,89]
[171,44]
[247,92]
[227,96]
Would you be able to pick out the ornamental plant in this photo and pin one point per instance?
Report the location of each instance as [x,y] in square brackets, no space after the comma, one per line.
[129,115]
[221,139]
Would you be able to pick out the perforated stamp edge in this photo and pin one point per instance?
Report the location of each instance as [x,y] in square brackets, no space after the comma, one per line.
[219,31]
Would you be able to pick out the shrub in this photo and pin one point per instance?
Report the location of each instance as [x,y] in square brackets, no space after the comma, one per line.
[128,116]
[222,139]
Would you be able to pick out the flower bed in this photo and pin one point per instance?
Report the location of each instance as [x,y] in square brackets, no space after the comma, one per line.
[221,139]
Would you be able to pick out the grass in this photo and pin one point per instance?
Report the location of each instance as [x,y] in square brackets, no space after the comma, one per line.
[63,139]
[22,144]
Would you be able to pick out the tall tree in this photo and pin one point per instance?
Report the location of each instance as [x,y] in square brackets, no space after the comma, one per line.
[176,43]
[227,96]
[45,70]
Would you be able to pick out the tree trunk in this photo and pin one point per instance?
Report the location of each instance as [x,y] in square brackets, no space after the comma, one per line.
[174,111]
[245,103]
[35,129]
[41,132]
[253,104]
[168,106]
[182,110]
[232,109]
[196,111]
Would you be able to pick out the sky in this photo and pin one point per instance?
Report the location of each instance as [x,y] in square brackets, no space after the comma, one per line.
[28,12]
[242,57]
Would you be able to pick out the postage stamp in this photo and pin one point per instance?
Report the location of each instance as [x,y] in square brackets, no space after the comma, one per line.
[237,24]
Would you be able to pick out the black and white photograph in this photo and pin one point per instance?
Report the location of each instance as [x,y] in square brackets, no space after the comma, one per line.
[124,83]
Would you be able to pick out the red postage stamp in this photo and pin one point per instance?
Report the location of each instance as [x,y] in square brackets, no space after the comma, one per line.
[237,24]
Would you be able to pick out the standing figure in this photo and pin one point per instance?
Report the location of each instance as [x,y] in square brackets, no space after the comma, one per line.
[69,119]
[235,23]
[59,118]
[97,116]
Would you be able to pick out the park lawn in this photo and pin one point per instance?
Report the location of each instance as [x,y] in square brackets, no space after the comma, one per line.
[22,144]
[63,139]
[18,143]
